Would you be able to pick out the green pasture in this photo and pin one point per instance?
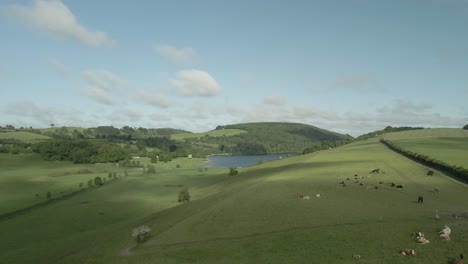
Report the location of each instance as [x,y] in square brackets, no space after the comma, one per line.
[25,179]
[253,217]
[212,133]
[23,136]
[449,145]
[427,133]
[452,151]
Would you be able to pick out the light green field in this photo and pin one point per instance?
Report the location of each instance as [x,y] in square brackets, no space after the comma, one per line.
[212,133]
[428,133]
[253,217]
[445,144]
[23,136]
[24,175]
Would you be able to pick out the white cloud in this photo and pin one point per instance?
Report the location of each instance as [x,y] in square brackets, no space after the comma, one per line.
[60,67]
[98,95]
[152,99]
[28,113]
[195,83]
[275,100]
[104,79]
[183,56]
[54,17]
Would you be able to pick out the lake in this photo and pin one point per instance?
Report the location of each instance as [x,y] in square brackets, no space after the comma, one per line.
[236,161]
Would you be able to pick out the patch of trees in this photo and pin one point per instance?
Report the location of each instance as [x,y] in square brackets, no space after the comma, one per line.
[162,143]
[14,146]
[249,148]
[466,126]
[457,171]
[388,129]
[325,145]
[79,151]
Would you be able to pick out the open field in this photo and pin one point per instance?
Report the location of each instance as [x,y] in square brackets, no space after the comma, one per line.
[447,145]
[23,136]
[253,217]
[428,133]
[212,133]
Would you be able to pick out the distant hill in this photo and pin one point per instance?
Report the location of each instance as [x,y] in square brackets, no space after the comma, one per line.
[271,137]
[388,129]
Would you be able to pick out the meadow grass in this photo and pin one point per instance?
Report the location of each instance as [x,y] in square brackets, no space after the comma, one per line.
[23,136]
[211,133]
[253,217]
[25,179]
[449,145]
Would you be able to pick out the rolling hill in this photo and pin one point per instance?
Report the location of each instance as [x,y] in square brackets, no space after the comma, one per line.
[254,217]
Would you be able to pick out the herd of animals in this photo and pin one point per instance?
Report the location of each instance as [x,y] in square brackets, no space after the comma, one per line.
[420,237]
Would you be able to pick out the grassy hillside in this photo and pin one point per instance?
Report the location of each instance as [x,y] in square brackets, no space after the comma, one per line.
[253,217]
[449,145]
[269,138]
[23,136]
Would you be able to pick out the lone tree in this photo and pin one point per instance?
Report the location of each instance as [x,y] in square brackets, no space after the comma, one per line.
[98,181]
[184,196]
[466,126]
[233,171]
[141,233]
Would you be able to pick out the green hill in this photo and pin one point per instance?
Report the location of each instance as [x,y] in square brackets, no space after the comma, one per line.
[268,137]
[253,217]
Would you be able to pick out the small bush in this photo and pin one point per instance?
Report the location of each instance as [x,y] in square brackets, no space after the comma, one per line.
[233,171]
[98,181]
[141,233]
[184,195]
[48,195]
[177,166]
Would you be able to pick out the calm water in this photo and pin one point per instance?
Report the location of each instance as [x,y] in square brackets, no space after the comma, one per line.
[228,161]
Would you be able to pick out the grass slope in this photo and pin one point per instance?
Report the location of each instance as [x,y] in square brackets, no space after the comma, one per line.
[447,145]
[253,217]
[23,136]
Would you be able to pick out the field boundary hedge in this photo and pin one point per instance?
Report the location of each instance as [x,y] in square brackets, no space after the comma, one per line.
[457,172]
[8,215]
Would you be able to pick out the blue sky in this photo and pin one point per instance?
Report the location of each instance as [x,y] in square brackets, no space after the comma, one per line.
[347,66]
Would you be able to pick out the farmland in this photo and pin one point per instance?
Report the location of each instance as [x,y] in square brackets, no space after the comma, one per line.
[253,217]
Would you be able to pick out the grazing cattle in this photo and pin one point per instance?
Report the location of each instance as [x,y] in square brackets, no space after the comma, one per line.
[355,175]
[446,230]
[347,179]
[459,261]
[393,185]
[436,189]
[375,171]
[423,240]
[376,187]
[356,181]
[317,195]
[418,235]
[430,173]
[399,186]
[306,198]
[408,252]
[361,184]
[299,196]
[381,182]
[420,199]
[356,256]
